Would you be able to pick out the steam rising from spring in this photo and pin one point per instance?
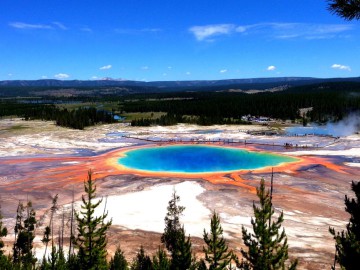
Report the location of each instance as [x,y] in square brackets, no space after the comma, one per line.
[345,127]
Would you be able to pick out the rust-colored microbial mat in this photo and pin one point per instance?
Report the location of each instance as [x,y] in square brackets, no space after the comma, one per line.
[59,171]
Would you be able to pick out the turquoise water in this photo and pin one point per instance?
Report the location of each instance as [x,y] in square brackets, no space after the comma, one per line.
[198,159]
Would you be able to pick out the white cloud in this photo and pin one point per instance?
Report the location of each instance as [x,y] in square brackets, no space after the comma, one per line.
[169,68]
[86,29]
[44,77]
[271,68]
[342,67]
[308,31]
[106,67]
[145,68]
[241,29]
[137,31]
[60,25]
[94,77]
[20,25]
[207,31]
[151,30]
[223,70]
[188,73]
[61,76]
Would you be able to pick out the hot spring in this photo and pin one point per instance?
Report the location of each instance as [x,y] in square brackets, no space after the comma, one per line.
[198,159]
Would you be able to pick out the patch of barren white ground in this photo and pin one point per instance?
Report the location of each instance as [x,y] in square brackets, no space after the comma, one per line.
[305,231]
[145,210]
[352,164]
[40,137]
[187,132]
[353,152]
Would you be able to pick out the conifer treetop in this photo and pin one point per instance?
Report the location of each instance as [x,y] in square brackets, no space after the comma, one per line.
[91,238]
[216,251]
[267,245]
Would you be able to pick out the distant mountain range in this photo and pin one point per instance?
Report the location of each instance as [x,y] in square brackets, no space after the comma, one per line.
[109,86]
[170,84]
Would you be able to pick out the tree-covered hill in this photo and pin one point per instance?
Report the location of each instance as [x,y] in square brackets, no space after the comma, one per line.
[58,88]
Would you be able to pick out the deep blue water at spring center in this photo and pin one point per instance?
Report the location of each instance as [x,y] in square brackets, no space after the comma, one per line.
[198,159]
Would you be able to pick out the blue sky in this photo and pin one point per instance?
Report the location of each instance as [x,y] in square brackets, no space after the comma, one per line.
[175,40]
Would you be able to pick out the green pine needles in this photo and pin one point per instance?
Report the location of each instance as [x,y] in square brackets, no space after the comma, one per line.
[216,251]
[172,223]
[347,242]
[174,237]
[347,9]
[3,233]
[25,225]
[267,245]
[118,262]
[91,239]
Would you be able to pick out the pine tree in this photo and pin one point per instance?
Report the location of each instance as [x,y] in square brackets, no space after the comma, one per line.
[347,9]
[202,265]
[347,242]
[91,238]
[72,262]
[174,237]
[181,256]
[24,235]
[216,252]
[141,261]
[118,262]
[267,246]
[18,228]
[3,233]
[161,261]
[49,236]
[72,238]
[5,262]
[172,223]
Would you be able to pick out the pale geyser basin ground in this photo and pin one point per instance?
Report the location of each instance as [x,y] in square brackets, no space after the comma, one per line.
[146,209]
[312,198]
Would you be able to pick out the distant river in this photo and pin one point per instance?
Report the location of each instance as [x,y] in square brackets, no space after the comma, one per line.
[199,159]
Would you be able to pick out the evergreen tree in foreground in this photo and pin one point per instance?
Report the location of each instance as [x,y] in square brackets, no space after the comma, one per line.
[118,262]
[49,236]
[216,252]
[91,238]
[174,237]
[182,257]
[348,242]
[5,262]
[23,256]
[161,261]
[141,261]
[267,246]
[3,233]
[173,227]
[347,9]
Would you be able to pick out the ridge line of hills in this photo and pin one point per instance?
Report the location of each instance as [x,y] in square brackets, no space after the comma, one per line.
[172,84]
[110,87]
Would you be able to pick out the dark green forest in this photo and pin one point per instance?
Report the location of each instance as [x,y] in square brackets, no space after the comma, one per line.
[76,119]
[330,101]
